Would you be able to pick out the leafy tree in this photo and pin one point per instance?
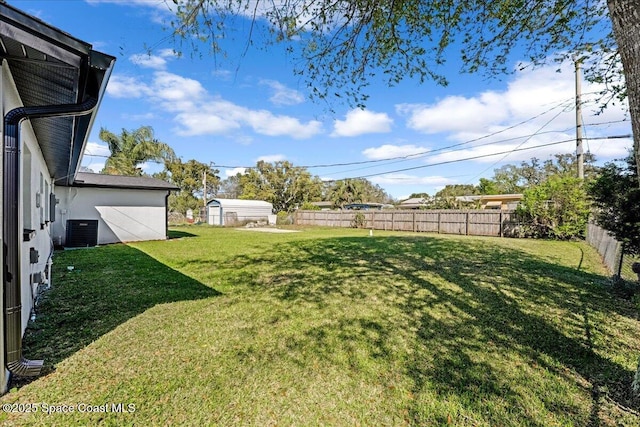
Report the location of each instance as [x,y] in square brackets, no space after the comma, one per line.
[230,187]
[280,183]
[342,44]
[454,190]
[360,190]
[566,165]
[617,200]
[487,186]
[308,206]
[132,148]
[510,179]
[419,196]
[189,176]
[447,197]
[556,208]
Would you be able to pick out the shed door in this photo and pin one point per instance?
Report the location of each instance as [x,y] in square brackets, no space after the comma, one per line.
[214,215]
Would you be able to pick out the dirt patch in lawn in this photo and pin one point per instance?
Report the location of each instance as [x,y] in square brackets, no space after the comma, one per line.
[269,230]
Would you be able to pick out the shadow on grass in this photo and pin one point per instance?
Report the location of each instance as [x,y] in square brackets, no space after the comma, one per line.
[108,286]
[178,234]
[468,302]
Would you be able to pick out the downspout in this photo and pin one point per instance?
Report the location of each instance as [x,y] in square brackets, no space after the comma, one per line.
[166,215]
[15,361]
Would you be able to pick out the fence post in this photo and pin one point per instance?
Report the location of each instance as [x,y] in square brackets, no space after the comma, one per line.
[501,232]
[438,222]
[393,225]
[414,221]
[466,230]
[619,259]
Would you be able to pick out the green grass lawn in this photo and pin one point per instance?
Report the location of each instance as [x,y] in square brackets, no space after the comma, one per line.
[333,327]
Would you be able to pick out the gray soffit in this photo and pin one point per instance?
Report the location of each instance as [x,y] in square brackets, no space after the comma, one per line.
[50,67]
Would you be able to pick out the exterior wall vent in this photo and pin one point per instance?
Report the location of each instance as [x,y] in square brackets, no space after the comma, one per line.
[82,233]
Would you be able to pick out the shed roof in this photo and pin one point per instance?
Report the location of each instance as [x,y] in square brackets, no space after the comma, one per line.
[505,197]
[84,179]
[50,67]
[414,201]
[238,202]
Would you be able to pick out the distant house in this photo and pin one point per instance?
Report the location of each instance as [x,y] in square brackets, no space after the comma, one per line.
[365,206]
[500,201]
[97,209]
[413,203]
[237,211]
[51,85]
[325,205]
[493,201]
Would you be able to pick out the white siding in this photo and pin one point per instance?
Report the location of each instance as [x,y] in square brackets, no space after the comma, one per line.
[124,215]
[242,210]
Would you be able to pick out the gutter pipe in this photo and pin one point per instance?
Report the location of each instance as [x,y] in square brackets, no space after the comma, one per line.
[15,361]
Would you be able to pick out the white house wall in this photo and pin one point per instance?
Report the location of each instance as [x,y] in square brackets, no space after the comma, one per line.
[36,184]
[124,215]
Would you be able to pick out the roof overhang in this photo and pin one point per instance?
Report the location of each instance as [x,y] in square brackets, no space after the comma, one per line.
[95,180]
[50,67]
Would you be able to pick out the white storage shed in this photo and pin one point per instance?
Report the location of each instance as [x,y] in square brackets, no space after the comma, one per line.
[236,211]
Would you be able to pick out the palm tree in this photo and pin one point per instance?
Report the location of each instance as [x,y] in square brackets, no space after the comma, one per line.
[132,148]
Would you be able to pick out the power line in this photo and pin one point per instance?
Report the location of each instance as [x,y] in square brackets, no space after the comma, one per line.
[518,146]
[460,160]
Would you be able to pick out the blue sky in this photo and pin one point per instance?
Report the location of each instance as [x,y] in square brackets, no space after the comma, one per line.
[237,109]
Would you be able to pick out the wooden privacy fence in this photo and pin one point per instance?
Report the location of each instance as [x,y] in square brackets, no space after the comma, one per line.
[612,252]
[607,246]
[465,222]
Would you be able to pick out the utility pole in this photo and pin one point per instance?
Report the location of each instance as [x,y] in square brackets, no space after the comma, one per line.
[204,193]
[579,151]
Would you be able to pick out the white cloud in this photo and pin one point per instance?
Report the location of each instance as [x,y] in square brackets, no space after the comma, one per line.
[97,149]
[203,123]
[96,167]
[127,87]
[199,113]
[149,61]
[176,92]
[95,155]
[272,158]
[388,151]
[156,62]
[541,91]
[360,122]
[281,94]
[455,113]
[534,103]
[235,171]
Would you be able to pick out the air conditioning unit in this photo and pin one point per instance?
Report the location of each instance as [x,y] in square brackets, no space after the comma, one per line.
[82,233]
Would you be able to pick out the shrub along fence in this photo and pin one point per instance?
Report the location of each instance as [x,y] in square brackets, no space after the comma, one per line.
[612,253]
[465,222]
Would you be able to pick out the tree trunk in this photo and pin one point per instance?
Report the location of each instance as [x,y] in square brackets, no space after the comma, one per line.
[625,16]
